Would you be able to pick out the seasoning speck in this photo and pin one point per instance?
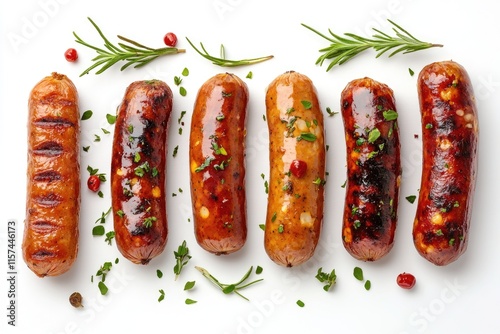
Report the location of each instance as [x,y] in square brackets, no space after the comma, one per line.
[75,299]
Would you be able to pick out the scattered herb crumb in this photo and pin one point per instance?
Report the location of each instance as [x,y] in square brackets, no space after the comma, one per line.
[411,71]
[162,295]
[189,285]
[368,285]
[411,198]
[300,303]
[159,273]
[190,301]
[250,75]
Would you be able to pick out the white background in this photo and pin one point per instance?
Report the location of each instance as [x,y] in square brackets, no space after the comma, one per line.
[463,296]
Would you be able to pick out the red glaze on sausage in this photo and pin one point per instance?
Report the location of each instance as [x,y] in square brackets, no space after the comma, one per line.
[297,169]
[373,169]
[50,240]
[138,169]
[449,167]
[217,164]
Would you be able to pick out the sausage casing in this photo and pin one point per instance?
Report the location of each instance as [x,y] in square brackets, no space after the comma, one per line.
[51,230]
[296,195]
[449,162]
[138,168]
[373,169]
[217,164]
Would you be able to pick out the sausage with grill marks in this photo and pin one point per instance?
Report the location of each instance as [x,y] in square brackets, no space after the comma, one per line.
[51,230]
[450,133]
[138,168]
[373,169]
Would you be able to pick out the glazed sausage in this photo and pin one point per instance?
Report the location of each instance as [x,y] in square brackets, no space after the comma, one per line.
[449,164]
[51,230]
[217,164]
[138,168]
[373,169]
[297,169]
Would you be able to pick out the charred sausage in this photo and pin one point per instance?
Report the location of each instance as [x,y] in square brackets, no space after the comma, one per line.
[217,164]
[449,164]
[297,169]
[50,240]
[373,169]
[138,168]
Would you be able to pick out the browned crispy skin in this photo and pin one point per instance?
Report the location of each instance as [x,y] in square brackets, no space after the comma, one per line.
[217,164]
[295,204]
[138,169]
[50,240]
[373,169]
[449,166]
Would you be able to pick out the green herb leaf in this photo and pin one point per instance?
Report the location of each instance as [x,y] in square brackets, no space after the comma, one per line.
[102,288]
[182,91]
[185,72]
[86,115]
[204,165]
[368,285]
[306,104]
[411,71]
[411,198]
[329,279]
[162,295]
[373,135]
[307,136]
[258,270]
[262,227]
[189,285]
[249,75]
[111,119]
[159,273]
[190,301]
[358,273]
[300,303]
[98,230]
[390,115]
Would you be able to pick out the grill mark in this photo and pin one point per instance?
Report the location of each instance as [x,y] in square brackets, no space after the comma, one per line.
[43,226]
[43,254]
[49,200]
[49,149]
[53,122]
[48,176]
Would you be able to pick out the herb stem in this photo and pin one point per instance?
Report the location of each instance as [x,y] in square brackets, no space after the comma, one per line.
[222,61]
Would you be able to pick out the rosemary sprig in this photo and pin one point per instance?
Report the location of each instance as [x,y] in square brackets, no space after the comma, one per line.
[228,288]
[222,61]
[133,53]
[342,49]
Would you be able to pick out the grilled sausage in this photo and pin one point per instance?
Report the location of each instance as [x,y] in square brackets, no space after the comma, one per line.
[217,164]
[373,169]
[138,169]
[297,169]
[50,240]
[449,165]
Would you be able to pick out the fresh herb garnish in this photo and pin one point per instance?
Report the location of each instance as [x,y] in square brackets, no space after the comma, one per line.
[222,61]
[181,257]
[229,288]
[373,135]
[342,49]
[358,273]
[328,278]
[189,285]
[411,198]
[204,165]
[300,303]
[306,104]
[162,295]
[307,136]
[86,115]
[133,53]
[390,115]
